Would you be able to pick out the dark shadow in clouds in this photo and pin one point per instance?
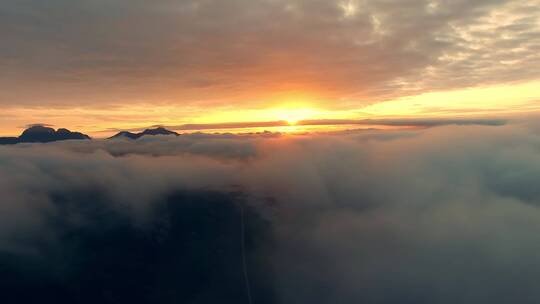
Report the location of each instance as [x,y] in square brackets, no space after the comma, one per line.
[188,250]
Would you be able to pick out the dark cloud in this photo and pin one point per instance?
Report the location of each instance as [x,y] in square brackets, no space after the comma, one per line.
[405,122]
[436,215]
[201,51]
[336,122]
[37,125]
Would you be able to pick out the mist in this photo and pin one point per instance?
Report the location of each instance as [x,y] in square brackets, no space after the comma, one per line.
[448,214]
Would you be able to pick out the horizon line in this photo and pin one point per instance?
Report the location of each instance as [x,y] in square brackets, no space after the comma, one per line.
[385,122]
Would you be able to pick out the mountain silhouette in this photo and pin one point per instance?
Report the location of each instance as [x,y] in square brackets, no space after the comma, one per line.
[8,140]
[126,134]
[152,132]
[43,134]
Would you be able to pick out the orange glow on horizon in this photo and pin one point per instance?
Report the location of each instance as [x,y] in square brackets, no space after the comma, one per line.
[510,99]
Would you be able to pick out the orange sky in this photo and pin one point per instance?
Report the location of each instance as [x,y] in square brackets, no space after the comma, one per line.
[97,67]
[500,100]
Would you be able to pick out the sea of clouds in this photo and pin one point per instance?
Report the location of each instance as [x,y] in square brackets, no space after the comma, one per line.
[448,214]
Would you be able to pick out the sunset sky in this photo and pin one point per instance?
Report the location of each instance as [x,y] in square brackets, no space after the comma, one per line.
[269,151]
[100,65]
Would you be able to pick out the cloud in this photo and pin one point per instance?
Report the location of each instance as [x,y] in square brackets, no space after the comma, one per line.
[220,146]
[189,52]
[437,215]
[373,123]
[426,123]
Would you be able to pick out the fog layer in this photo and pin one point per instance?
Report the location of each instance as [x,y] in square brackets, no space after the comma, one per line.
[440,215]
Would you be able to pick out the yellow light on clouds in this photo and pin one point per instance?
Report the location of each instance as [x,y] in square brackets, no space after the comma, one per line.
[291,115]
[510,98]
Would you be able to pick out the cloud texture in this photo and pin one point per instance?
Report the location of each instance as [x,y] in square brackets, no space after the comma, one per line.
[442,215]
[202,52]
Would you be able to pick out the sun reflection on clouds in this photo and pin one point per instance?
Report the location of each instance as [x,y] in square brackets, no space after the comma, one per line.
[510,98]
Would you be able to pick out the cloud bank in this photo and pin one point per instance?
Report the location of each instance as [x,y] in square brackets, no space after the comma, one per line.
[192,51]
[441,215]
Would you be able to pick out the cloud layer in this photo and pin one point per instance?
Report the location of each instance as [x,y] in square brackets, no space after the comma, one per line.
[202,52]
[441,215]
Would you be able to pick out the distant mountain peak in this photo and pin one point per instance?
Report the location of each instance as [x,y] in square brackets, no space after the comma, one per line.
[151,132]
[125,134]
[34,130]
[43,134]
[158,131]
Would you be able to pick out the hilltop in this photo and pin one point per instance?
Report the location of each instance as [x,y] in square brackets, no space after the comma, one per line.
[151,132]
[43,134]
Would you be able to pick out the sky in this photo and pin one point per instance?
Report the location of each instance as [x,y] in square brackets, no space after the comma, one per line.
[99,66]
[411,177]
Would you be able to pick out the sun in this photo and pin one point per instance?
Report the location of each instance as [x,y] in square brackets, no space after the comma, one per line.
[294,116]
[292,121]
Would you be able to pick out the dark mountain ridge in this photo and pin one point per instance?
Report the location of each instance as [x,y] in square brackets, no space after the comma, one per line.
[43,134]
[151,132]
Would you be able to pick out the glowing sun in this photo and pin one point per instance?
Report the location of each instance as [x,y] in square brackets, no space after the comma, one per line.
[294,116]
